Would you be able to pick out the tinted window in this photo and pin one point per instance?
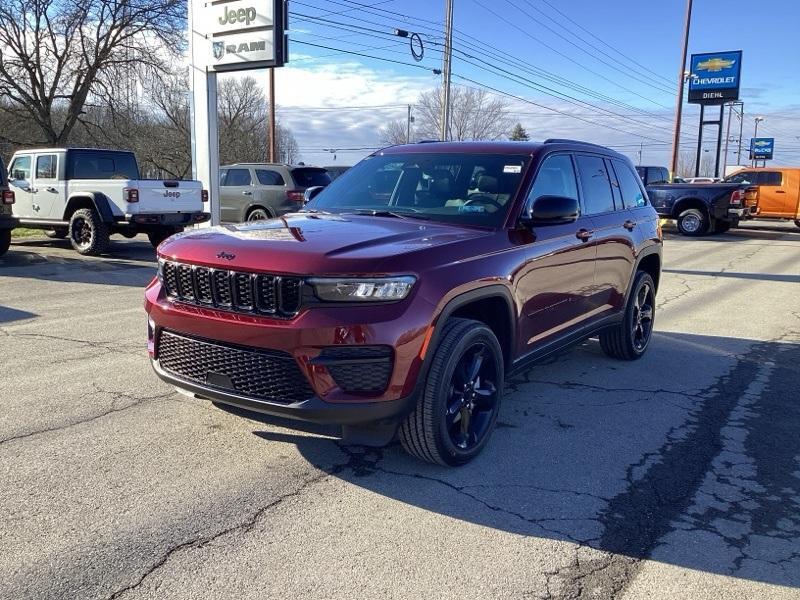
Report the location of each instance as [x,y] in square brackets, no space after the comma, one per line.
[632,195]
[310,177]
[595,185]
[269,177]
[770,178]
[21,168]
[657,175]
[237,177]
[464,188]
[90,164]
[46,166]
[743,177]
[556,177]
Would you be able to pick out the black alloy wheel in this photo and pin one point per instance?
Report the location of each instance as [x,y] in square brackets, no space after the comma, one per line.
[630,339]
[643,316]
[472,401]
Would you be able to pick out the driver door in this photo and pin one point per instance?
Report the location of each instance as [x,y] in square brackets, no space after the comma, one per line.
[20,178]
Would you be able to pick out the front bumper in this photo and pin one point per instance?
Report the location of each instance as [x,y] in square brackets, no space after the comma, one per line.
[166,219]
[312,410]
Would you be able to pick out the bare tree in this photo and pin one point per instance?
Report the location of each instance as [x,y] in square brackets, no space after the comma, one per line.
[687,162]
[394,132]
[57,54]
[474,115]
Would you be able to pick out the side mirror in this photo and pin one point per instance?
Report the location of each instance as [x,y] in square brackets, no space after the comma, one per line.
[311,193]
[553,210]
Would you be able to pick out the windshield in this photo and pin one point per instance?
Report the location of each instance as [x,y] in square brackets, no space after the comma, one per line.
[469,189]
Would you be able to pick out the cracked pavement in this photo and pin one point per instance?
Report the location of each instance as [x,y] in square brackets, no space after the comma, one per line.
[674,477]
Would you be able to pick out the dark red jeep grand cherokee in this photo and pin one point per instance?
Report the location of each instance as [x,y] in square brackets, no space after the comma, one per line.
[405,291]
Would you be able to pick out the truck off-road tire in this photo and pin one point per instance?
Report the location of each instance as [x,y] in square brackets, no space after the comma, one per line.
[87,232]
[257,213]
[156,236]
[59,233]
[721,226]
[693,222]
[5,240]
[629,340]
[460,399]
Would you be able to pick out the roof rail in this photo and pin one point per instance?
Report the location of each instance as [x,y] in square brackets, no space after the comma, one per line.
[428,141]
[568,141]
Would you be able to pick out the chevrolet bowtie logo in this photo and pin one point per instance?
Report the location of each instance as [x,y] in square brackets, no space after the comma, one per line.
[712,65]
[762,143]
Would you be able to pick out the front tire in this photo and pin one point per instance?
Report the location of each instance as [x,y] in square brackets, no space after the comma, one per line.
[629,340]
[5,240]
[460,400]
[693,222]
[87,232]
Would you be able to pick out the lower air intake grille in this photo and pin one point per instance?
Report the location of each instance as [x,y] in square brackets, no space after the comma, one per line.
[265,375]
[358,368]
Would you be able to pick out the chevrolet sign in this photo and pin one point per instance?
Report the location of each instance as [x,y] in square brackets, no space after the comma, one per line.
[714,78]
[762,148]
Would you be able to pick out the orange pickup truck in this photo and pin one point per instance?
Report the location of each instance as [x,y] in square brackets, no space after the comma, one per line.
[778,191]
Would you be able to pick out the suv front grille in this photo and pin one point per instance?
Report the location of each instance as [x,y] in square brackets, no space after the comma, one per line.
[266,294]
[262,374]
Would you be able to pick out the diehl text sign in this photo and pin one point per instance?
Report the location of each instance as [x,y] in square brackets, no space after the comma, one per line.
[714,77]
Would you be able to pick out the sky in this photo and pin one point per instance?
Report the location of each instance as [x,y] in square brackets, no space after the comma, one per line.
[604,72]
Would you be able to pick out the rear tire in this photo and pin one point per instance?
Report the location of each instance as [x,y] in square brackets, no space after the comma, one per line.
[87,232]
[157,236]
[57,234]
[797,223]
[5,240]
[460,400]
[257,213]
[721,226]
[630,339]
[693,222]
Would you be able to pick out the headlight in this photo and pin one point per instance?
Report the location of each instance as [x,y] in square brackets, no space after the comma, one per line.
[386,289]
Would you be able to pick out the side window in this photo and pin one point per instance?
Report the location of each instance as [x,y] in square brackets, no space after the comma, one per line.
[744,177]
[770,178]
[614,185]
[269,177]
[21,168]
[556,177]
[657,176]
[237,177]
[595,184]
[46,166]
[632,195]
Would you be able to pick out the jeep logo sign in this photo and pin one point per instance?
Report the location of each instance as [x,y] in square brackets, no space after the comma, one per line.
[243,16]
[171,194]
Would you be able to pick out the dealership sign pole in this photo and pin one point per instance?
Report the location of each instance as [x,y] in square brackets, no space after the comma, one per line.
[226,35]
[713,80]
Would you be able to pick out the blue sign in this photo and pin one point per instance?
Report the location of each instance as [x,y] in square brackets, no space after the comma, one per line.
[762,148]
[714,78]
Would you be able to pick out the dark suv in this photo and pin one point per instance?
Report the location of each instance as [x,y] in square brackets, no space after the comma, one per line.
[407,290]
[7,221]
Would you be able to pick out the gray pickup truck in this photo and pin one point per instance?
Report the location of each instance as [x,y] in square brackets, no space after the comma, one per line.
[698,208]
[7,222]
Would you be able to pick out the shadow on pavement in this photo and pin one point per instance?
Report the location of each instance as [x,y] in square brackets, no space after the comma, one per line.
[626,458]
[735,275]
[8,314]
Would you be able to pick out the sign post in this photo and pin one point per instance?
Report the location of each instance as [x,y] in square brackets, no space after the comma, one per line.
[226,35]
[714,80]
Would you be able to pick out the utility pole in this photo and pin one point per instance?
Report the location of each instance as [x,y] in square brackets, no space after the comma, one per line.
[676,140]
[273,141]
[741,133]
[727,139]
[641,147]
[755,135]
[409,120]
[446,67]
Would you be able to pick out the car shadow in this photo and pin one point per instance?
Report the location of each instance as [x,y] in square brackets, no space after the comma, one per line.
[8,314]
[687,457]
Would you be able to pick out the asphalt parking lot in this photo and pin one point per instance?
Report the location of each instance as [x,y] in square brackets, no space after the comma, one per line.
[674,477]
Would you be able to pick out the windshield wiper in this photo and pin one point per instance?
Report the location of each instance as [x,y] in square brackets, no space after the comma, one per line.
[389,213]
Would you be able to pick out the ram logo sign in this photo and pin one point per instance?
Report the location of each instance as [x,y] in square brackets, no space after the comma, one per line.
[714,78]
[762,148]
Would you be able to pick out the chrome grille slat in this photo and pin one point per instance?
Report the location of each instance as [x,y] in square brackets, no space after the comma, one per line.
[238,291]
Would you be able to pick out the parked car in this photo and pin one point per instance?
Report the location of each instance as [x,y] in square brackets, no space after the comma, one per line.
[87,195]
[336,170]
[653,175]
[402,294]
[7,221]
[258,191]
[701,209]
[778,191]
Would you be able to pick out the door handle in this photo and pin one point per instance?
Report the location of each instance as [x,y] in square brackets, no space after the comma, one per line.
[780,191]
[53,190]
[247,193]
[629,225]
[584,234]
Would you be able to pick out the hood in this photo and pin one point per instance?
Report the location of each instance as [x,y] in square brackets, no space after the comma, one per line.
[306,243]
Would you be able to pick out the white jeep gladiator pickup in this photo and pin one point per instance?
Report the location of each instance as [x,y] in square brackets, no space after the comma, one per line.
[89,194]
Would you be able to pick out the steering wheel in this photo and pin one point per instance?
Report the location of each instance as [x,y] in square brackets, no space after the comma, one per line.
[483,199]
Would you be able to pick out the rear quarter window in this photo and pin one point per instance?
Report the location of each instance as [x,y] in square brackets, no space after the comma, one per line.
[770,178]
[91,164]
[310,177]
